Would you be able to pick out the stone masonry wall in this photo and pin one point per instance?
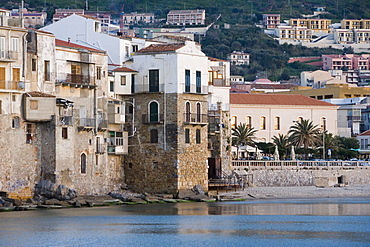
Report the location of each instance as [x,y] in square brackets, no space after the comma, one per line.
[268,178]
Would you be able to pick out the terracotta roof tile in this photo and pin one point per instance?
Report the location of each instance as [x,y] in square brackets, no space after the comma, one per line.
[213,59]
[365,133]
[275,99]
[123,69]
[161,48]
[63,43]
[273,86]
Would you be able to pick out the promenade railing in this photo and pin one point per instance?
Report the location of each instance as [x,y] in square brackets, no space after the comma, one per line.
[290,164]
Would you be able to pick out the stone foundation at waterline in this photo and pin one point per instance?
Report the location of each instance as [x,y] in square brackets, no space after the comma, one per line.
[285,178]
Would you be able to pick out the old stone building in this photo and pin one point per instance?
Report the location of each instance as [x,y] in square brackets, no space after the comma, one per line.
[169,150]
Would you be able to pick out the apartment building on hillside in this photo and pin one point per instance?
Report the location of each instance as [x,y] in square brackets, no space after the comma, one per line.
[186,17]
[271,20]
[316,25]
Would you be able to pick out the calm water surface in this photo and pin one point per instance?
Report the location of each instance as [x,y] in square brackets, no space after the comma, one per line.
[313,222]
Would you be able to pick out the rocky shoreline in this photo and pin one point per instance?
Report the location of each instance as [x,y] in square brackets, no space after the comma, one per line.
[53,197]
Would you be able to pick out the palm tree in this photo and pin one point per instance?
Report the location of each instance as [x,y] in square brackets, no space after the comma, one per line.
[282,142]
[304,133]
[243,135]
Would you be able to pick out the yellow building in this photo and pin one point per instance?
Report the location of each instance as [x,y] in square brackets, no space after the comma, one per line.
[336,90]
[355,24]
[316,25]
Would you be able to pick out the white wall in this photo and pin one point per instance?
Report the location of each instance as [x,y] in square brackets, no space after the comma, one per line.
[287,115]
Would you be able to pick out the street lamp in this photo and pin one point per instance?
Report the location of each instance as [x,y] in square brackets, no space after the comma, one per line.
[323,138]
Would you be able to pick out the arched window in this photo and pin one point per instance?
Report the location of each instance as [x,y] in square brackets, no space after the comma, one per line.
[248,121]
[198,112]
[323,123]
[187,112]
[263,123]
[154,136]
[83,163]
[153,112]
[277,123]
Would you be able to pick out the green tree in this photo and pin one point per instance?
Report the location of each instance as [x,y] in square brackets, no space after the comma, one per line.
[283,143]
[304,133]
[243,135]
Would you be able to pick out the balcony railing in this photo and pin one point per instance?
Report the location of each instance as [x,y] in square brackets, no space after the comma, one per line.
[354,118]
[86,122]
[65,120]
[103,124]
[152,118]
[12,85]
[9,56]
[195,118]
[75,79]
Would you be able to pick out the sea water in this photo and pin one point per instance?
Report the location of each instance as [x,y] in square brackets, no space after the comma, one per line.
[298,222]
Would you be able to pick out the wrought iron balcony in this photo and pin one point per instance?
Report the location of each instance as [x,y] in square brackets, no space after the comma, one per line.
[76,80]
[194,118]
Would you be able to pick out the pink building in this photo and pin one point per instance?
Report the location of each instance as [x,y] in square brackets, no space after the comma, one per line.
[271,20]
[350,61]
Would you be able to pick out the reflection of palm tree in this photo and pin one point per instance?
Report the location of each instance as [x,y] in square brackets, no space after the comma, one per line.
[243,135]
[304,133]
[282,142]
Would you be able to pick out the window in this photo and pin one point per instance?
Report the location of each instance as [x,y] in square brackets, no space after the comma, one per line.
[123,80]
[83,163]
[154,80]
[75,69]
[263,123]
[198,113]
[197,136]
[198,82]
[187,81]
[2,47]
[16,123]
[277,123]
[14,44]
[132,83]
[16,74]
[154,136]
[30,132]
[33,64]
[233,121]
[153,112]
[248,121]
[135,48]
[98,73]
[187,112]
[187,135]
[111,86]
[47,70]
[65,133]
[34,104]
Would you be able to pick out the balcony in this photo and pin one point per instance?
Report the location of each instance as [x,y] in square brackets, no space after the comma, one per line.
[86,124]
[195,119]
[9,56]
[102,125]
[65,120]
[152,118]
[12,85]
[83,81]
[354,118]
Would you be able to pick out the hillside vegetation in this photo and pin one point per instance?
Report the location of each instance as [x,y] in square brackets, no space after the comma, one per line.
[268,58]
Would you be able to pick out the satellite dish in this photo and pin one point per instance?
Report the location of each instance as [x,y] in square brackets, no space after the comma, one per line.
[21,85]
